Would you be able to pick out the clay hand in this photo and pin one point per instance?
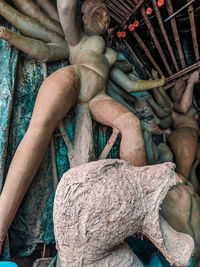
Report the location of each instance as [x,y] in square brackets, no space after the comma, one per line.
[194,77]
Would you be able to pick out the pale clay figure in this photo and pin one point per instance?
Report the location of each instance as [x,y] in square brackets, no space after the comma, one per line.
[184,139]
[84,81]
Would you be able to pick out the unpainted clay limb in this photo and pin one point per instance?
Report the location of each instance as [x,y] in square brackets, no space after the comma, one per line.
[165,122]
[119,95]
[122,92]
[124,66]
[160,100]
[165,95]
[186,100]
[159,93]
[151,149]
[29,8]
[41,51]
[67,14]
[49,8]
[107,111]
[160,111]
[183,142]
[50,108]
[193,177]
[129,85]
[28,26]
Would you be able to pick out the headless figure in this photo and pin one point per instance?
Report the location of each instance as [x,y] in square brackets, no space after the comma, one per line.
[184,139]
[84,81]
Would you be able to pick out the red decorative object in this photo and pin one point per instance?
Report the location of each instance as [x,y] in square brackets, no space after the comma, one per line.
[136,23]
[123,34]
[160,3]
[149,11]
[131,27]
[125,27]
[119,34]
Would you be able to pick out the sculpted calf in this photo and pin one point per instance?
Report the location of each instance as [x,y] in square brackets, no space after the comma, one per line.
[98,204]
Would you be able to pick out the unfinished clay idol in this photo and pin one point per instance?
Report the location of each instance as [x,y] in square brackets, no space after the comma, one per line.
[98,204]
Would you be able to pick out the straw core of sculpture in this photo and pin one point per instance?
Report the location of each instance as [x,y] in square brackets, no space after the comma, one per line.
[98,204]
[84,81]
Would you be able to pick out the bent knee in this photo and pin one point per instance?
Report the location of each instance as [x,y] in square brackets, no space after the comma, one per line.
[127,121]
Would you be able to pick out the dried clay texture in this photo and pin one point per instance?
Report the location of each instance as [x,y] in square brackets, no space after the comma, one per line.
[98,204]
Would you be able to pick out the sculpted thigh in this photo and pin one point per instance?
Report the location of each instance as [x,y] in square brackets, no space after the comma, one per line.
[56,96]
[106,110]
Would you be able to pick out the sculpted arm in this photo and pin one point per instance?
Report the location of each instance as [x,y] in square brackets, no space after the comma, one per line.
[44,44]
[67,10]
[39,50]
[49,8]
[186,100]
[29,8]
[129,85]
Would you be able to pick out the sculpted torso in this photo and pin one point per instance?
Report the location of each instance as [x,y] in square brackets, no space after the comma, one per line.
[92,60]
[185,120]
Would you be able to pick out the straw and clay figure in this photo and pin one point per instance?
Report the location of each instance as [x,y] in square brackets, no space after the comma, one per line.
[183,138]
[84,82]
[98,204]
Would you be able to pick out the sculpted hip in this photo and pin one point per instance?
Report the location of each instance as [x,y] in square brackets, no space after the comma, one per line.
[91,83]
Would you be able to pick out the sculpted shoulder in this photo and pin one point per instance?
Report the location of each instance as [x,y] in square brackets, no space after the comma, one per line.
[95,43]
[111,56]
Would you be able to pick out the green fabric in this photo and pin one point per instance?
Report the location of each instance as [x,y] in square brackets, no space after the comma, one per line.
[8,66]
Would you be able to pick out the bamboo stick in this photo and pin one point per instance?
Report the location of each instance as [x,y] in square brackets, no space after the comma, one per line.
[155,39]
[193,30]
[117,11]
[175,33]
[136,57]
[165,34]
[109,144]
[141,43]
[53,161]
[184,71]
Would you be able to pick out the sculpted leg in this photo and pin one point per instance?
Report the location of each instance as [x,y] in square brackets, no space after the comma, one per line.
[39,50]
[109,112]
[56,96]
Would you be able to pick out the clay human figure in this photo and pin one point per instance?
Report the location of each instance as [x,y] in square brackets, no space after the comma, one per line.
[83,81]
[184,139]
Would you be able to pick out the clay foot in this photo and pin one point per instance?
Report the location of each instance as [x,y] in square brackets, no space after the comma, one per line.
[2,31]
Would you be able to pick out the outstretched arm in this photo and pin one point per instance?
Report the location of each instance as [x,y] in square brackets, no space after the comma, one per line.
[39,50]
[186,100]
[29,8]
[129,85]
[67,10]
[49,8]
[28,26]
